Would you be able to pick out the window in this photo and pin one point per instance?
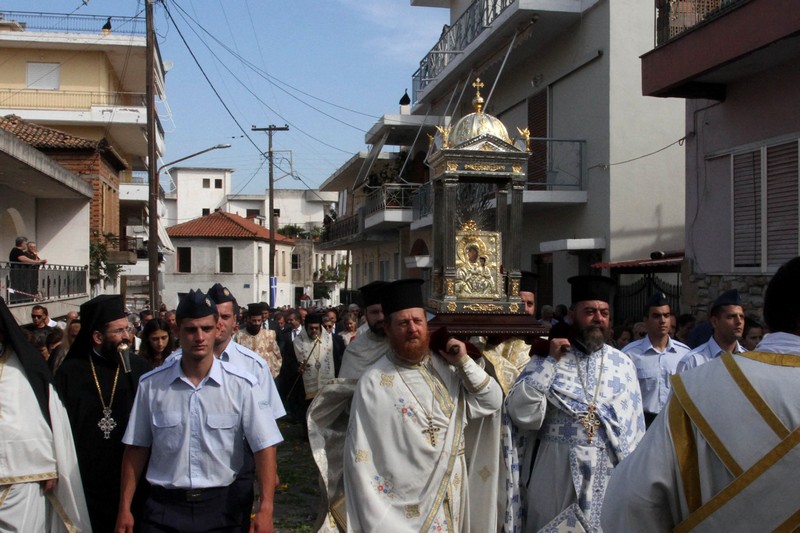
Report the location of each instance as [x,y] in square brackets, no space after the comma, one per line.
[206,183]
[225,259]
[384,267]
[252,213]
[283,263]
[217,184]
[295,262]
[184,259]
[45,76]
[765,206]
[206,211]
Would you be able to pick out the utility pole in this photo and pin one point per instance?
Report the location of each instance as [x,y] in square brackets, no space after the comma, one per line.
[152,174]
[270,130]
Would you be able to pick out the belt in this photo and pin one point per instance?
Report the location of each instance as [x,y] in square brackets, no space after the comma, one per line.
[187,495]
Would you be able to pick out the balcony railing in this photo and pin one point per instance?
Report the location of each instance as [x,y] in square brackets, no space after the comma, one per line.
[556,164]
[24,284]
[422,201]
[674,17]
[60,23]
[477,17]
[390,196]
[78,100]
[344,228]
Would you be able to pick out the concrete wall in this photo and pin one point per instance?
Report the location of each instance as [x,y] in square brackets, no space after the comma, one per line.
[84,71]
[192,198]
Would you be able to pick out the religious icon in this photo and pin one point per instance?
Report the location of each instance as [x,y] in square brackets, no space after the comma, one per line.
[477,264]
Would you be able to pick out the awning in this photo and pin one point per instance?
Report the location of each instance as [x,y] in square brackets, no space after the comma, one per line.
[669,262]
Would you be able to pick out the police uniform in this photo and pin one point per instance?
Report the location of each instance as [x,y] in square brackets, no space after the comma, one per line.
[193,432]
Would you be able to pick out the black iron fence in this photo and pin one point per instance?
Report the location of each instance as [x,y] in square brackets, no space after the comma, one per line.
[674,17]
[23,283]
[630,299]
[70,23]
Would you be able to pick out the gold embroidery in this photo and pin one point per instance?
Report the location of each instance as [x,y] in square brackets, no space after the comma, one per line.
[387,380]
[362,456]
[28,478]
[412,511]
[456,480]
[484,473]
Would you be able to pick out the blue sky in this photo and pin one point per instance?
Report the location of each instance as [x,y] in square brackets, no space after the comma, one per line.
[357,54]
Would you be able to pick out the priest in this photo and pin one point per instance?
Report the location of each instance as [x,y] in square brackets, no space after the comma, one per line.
[97,382]
[370,344]
[571,418]
[40,484]
[404,460]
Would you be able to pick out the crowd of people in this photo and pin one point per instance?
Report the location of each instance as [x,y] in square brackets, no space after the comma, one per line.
[166,420]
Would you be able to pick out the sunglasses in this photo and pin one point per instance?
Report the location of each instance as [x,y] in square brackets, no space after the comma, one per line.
[36,317]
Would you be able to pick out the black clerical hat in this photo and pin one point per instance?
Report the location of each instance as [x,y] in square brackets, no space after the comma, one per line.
[255,309]
[101,310]
[402,294]
[195,305]
[591,288]
[220,294]
[313,318]
[372,293]
[730,297]
[657,299]
[527,283]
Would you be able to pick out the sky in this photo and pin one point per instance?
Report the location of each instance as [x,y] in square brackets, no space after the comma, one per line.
[326,68]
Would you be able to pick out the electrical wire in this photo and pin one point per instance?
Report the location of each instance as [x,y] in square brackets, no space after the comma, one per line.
[605,166]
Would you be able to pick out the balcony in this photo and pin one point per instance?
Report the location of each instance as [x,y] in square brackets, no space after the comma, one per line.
[69,23]
[483,28]
[422,205]
[75,100]
[389,206]
[702,46]
[24,284]
[674,17]
[556,173]
[343,233]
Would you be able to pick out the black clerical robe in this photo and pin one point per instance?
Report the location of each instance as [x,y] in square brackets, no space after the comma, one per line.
[99,458]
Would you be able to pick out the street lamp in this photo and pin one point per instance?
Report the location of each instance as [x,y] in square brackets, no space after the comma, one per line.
[152,242]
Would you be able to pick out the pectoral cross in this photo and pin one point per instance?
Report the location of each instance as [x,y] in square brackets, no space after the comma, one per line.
[106,424]
[590,422]
[430,432]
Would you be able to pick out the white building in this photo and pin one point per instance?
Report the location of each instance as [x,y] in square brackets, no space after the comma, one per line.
[606,175]
[231,250]
[201,191]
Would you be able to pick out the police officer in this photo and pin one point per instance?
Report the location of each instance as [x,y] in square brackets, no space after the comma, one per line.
[188,417]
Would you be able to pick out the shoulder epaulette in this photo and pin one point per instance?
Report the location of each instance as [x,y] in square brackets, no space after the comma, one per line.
[239,372]
[167,364]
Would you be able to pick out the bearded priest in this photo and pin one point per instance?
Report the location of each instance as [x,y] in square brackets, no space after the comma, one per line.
[404,461]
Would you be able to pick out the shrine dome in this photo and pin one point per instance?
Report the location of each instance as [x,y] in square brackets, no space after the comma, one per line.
[478,123]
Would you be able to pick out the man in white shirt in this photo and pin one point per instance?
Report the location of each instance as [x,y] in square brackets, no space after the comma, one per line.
[656,356]
[727,319]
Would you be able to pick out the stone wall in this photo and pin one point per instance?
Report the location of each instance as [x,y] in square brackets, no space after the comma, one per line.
[700,291]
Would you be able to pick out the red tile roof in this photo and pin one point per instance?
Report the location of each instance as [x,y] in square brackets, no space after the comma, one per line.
[222,225]
[41,137]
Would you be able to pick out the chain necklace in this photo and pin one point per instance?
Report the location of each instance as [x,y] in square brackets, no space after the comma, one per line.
[430,430]
[589,419]
[106,424]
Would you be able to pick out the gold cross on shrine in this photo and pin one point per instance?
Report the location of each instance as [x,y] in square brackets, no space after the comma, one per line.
[590,422]
[478,84]
[430,432]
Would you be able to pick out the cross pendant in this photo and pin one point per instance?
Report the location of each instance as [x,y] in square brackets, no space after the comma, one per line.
[430,432]
[106,424]
[590,422]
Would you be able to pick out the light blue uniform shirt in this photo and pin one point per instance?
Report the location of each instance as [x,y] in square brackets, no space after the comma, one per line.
[193,432]
[703,354]
[653,369]
[250,361]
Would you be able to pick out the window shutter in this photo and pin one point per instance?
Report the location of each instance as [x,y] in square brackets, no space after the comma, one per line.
[747,210]
[782,204]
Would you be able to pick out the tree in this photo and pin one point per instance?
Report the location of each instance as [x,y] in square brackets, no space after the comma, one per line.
[99,267]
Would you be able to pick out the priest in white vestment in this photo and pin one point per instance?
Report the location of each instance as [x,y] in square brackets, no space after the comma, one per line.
[404,461]
[40,484]
[570,419]
[724,454]
[371,343]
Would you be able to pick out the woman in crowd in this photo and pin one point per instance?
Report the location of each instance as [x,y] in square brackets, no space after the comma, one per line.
[350,327]
[156,342]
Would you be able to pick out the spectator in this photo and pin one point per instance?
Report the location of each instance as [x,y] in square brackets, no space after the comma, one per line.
[752,334]
[71,331]
[350,328]
[24,278]
[145,316]
[686,323]
[623,335]
[157,342]
[32,252]
[39,326]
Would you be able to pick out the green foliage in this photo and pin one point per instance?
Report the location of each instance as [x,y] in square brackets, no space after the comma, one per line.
[294,231]
[99,246]
[321,291]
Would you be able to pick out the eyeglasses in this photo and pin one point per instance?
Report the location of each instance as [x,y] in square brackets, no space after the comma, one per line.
[119,331]
[37,317]
[329,326]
